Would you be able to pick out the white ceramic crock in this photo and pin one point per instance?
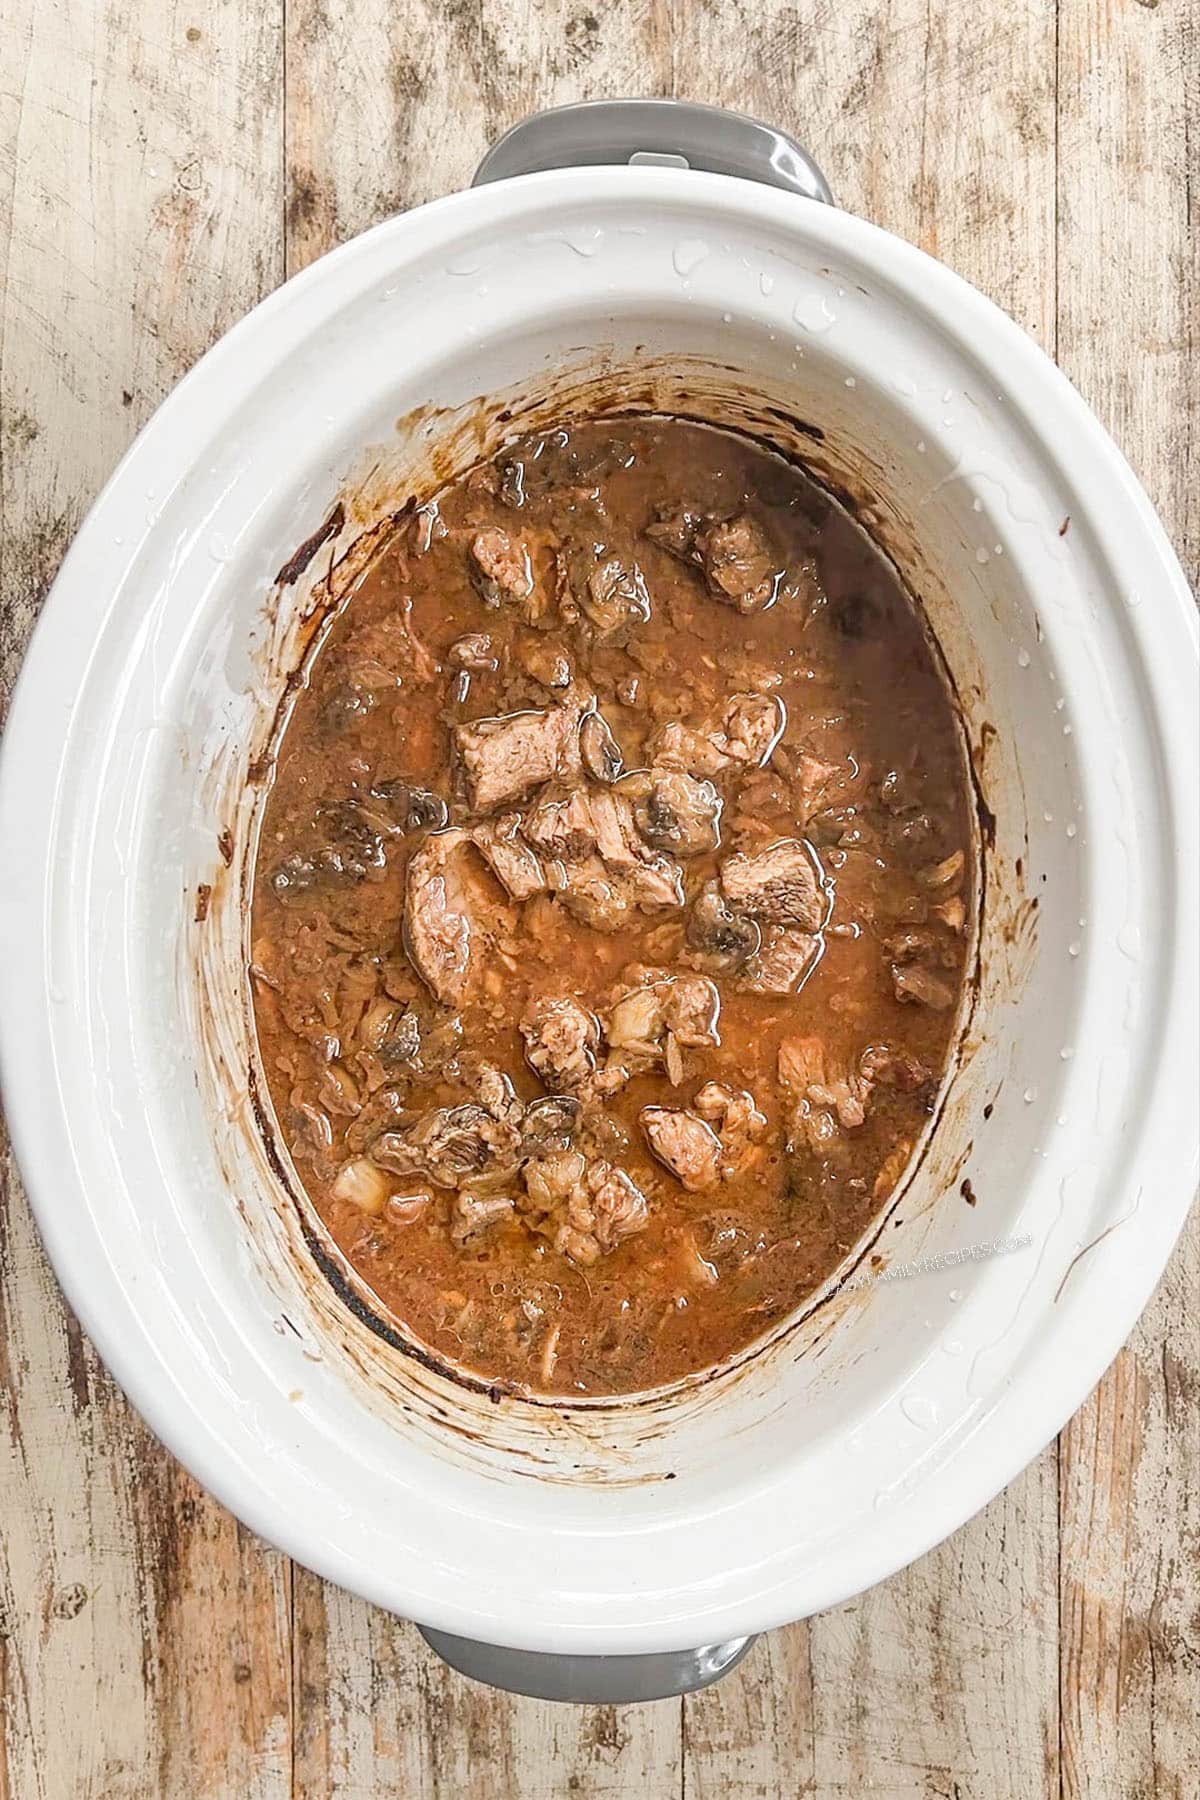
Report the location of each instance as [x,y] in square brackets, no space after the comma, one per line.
[872,1427]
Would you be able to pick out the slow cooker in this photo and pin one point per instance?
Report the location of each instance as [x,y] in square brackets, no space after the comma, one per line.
[664,258]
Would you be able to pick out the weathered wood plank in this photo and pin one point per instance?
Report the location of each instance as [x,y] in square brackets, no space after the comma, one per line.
[385,108]
[1128,79]
[142,1632]
[939,124]
[380,1717]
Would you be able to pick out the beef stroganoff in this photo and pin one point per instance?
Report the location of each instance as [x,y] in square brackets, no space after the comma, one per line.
[612,906]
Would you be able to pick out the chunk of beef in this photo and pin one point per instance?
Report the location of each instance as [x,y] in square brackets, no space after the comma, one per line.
[885,1067]
[736,1120]
[750,729]
[384,655]
[561,1041]
[916,981]
[813,781]
[780,965]
[585,1208]
[778,885]
[691,1007]
[494,1091]
[473,1216]
[922,944]
[595,860]
[721,939]
[585,823]
[823,1099]
[747,732]
[617,841]
[801,1066]
[686,747]
[741,565]
[614,1209]
[685,1144]
[605,897]
[511,860]
[501,566]
[546,662]
[438,926]
[686,1006]
[563,827]
[636,1023]
[674,811]
[712,1141]
[504,758]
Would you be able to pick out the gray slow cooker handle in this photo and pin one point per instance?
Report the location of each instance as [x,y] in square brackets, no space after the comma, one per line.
[589,1680]
[681,133]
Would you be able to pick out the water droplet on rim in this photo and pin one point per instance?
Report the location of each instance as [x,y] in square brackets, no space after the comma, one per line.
[688,254]
[919,1411]
[814,313]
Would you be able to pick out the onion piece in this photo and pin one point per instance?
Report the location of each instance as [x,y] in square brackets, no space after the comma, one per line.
[363,1185]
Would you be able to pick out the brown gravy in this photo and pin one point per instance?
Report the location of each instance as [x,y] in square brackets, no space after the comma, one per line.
[612,906]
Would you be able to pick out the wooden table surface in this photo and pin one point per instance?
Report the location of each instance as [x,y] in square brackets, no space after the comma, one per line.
[163,165]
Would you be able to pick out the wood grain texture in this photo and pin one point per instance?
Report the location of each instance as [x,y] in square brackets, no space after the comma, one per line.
[161,166]
[140,216]
[1129,177]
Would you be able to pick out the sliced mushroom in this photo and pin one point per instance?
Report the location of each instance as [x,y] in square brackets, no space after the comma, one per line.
[721,939]
[599,748]
[609,592]
[675,811]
